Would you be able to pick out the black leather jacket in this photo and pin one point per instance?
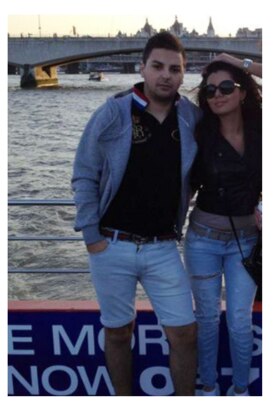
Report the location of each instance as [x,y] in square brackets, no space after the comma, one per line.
[227,183]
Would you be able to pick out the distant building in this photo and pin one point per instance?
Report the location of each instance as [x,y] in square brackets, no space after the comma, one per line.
[178,29]
[121,35]
[247,33]
[147,31]
[210,29]
[194,33]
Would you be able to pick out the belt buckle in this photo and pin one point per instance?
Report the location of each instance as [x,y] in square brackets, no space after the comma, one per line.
[138,239]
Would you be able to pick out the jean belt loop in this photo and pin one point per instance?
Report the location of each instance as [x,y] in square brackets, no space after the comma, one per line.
[115,237]
[155,239]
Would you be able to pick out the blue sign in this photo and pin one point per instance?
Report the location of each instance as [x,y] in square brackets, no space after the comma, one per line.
[62,354]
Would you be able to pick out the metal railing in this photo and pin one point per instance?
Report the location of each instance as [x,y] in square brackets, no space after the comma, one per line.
[46,202]
[26,238]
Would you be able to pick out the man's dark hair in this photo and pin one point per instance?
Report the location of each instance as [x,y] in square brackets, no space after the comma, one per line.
[163,40]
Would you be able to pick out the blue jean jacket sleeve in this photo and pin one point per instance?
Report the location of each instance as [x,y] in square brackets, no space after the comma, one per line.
[86,181]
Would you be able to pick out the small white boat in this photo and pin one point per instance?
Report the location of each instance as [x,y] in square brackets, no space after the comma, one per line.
[97,76]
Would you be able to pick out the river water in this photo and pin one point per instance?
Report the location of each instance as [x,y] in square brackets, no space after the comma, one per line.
[44,128]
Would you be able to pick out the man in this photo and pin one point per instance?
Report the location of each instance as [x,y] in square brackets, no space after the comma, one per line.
[131,191]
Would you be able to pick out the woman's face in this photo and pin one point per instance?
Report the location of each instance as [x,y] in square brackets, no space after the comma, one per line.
[221,104]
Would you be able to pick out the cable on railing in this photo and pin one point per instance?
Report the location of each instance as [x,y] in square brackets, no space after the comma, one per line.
[46,271]
[44,202]
[40,202]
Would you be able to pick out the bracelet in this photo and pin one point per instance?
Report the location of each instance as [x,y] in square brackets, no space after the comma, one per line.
[247,63]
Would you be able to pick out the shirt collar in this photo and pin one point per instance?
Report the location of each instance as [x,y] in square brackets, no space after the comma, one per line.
[141,101]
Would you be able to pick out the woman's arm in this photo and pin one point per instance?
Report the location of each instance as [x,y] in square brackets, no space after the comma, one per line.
[254,68]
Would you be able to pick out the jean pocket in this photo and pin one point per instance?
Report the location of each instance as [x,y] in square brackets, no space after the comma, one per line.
[250,240]
[102,252]
[192,235]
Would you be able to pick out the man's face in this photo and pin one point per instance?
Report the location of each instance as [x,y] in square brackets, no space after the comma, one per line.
[163,74]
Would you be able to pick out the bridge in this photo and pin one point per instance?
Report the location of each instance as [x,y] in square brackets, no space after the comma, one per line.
[38,58]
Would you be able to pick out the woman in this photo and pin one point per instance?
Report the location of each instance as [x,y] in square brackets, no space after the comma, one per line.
[227,174]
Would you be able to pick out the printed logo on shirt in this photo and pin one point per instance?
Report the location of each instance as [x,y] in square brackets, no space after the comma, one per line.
[140,134]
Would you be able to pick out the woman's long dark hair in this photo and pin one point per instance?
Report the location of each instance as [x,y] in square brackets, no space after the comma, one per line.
[252,104]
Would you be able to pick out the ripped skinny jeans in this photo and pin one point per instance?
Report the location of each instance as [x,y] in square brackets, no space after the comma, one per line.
[207,260]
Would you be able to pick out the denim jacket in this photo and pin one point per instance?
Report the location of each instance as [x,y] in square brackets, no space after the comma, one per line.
[102,156]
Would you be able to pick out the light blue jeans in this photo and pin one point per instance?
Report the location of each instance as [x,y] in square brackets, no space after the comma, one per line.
[207,260]
[157,266]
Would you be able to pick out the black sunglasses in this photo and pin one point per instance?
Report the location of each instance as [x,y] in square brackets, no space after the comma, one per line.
[226,87]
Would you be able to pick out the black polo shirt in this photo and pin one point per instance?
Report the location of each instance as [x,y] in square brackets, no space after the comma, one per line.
[148,198]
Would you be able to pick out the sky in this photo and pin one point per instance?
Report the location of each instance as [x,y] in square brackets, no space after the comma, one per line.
[110,16]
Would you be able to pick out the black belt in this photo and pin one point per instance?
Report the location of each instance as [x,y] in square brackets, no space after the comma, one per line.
[138,239]
[222,235]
